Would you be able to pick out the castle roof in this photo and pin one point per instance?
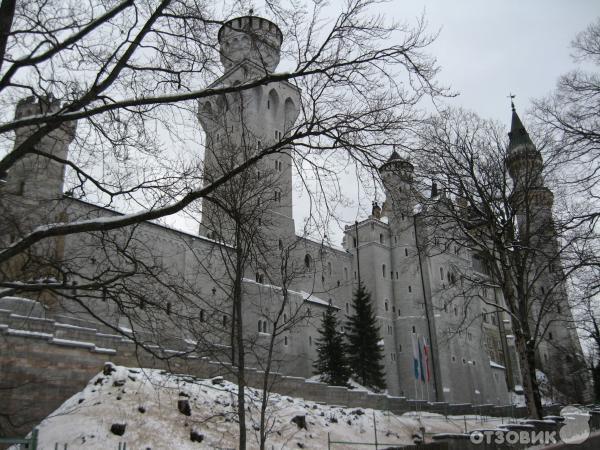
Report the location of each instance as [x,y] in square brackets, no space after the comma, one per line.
[518,134]
[395,158]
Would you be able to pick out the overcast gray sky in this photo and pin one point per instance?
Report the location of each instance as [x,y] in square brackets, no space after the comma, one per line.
[487,49]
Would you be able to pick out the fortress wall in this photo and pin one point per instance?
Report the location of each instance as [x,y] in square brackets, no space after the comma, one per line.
[48,361]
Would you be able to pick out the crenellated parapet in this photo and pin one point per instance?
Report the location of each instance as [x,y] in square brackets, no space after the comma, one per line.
[253,38]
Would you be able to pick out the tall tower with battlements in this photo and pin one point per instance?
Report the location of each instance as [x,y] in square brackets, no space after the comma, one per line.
[40,174]
[240,124]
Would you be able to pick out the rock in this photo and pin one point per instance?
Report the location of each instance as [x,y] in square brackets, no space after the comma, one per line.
[183,394]
[133,371]
[358,412]
[141,409]
[98,381]
[118,383]
[300,444]
[118,397]
[132,378]
[80,401]
[118,428]
[300,421]
[108,369]
[184,407]
[196,437]
[217,380]
[333,420]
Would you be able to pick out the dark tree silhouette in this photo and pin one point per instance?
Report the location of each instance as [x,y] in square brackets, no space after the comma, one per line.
[364,351]
[331,362]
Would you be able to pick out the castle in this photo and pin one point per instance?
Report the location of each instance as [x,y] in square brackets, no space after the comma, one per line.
[185,274]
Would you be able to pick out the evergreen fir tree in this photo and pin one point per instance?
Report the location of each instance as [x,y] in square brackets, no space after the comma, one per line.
[331,361]
[365,355]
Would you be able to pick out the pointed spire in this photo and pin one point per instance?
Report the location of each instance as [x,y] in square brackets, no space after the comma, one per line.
[518,134]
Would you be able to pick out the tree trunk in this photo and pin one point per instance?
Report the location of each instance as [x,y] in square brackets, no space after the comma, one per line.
[530,385]
[239,341]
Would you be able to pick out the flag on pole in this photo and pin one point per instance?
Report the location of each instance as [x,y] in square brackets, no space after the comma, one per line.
[415,347]
[426,352]
[421,361]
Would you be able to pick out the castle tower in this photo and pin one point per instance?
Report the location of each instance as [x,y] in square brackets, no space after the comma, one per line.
[240,124]
[397,177]
[35,176]
[559,353]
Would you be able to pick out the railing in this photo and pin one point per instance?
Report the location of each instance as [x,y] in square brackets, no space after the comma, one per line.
[31,442]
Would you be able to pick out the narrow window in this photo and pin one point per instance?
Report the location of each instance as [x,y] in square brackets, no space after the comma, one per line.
[414,330]
[399,348]
[405,251]
[284,317]
[386,305]
[550,336]
[383,270]
[395,239]
[285,340]
[268,104]
[224,320]
[409,288]
[346,273]
[307,261]
[441,273]
[280,244]
[380,238]
[347,308]
[354,242]
[168,308]
[260,326]
[310,340]
[201,315]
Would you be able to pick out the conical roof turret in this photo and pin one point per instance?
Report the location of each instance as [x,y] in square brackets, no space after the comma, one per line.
[518,134]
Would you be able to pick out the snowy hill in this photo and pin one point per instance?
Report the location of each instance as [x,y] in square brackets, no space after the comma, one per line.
[153,409]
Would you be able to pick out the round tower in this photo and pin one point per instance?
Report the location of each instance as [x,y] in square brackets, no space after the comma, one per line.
[525,165]
[397,177]
[35,175]
[251,38]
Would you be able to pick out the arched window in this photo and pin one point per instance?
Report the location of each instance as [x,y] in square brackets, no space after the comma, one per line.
[414,330]
[224,320]
[285,340]
[405,251]
[260,326]
[381,238]
[550,336]
[346,273]
[307,261]
[386,305]
[383,270]
[280,244]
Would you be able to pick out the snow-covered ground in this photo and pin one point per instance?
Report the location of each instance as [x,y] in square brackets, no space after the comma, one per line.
[152,409]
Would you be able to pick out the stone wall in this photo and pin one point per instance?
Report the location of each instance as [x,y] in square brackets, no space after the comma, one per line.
[44,361]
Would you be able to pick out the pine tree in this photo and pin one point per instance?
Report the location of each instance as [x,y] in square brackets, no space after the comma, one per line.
[365,355]
[331,361]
